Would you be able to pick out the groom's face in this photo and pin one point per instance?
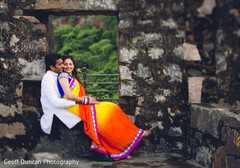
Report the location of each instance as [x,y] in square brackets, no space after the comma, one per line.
[59,66]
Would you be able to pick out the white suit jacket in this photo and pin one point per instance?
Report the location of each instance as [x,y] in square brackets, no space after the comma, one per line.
[53,104]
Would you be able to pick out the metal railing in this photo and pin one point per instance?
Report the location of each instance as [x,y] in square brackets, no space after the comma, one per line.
[85,83]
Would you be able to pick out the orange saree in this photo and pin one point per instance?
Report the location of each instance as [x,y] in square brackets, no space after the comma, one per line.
[106,124]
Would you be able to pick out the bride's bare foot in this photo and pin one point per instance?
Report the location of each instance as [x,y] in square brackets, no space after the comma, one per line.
[129,157]
[147,132]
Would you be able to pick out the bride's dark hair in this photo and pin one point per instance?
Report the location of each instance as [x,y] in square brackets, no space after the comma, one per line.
[74,72]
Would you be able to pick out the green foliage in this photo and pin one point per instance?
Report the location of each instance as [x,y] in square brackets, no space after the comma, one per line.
[93,48]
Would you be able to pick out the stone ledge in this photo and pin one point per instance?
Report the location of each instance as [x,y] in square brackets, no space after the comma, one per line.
[207,119]
[219,123]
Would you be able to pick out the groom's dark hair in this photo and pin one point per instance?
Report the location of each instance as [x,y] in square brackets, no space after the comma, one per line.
[51,59]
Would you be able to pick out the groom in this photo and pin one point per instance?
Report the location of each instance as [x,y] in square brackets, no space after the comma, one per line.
[52,103]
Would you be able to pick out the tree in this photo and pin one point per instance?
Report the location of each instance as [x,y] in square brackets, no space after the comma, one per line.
[92,47]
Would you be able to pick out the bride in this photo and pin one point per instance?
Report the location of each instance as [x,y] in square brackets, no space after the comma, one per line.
[105,123]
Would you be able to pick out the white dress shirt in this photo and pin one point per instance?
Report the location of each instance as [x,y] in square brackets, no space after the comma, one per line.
[53,104]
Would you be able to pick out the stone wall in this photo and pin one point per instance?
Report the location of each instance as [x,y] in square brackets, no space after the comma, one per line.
[213,26]
[23,46]
[151,64]
[227,52]
[214,136]
[166,49]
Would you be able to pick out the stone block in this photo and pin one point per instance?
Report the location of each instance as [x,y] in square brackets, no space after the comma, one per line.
[206,8]
[220,158]
[155,53]
[14,40]
[179,51]
[62,142]
[127,55]
[195,89]
[204,156]
[159,98]
[11,110]
[75,5]
[140,101]
[170,23]
[232,120]
[123,24]
[128,88]
[3,7]
[221,63]
[206,120]
[30,18]
[11,130]
[137,111]
[125,73]
[191,52]
[32,70]
[143,71]
[175,73]
[160,114]
[233,142]
[175,131]
[152,37]
[157,124]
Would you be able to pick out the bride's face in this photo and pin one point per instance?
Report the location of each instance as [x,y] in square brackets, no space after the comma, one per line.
[68,66]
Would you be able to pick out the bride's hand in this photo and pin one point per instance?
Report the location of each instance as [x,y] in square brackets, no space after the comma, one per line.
[93,100]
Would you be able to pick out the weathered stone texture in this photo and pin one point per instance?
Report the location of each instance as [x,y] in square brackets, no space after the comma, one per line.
[12,110]
[227,52]
[126,55]
[3,7]
[233,142]
[206,119]
[128,88]
[220,158]
[19,153]
[10,131]
[195,89]
[146,48]
[75,5]
[206,8]
[204,156]
[33,70]
[232,162]
[192,53]
[175,131]
[214,139]
[125,73]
